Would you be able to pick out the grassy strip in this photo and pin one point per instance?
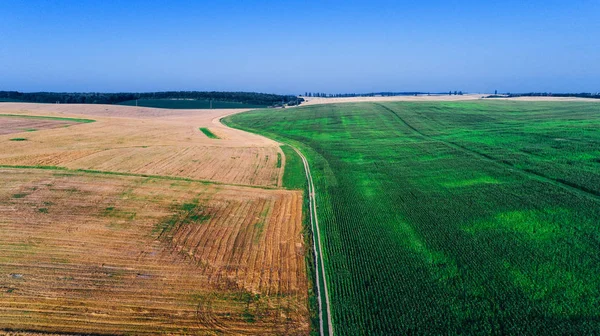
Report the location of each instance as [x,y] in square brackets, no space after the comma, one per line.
[79,120]
[208,133]
[18,139]
[293,175]
[162,177]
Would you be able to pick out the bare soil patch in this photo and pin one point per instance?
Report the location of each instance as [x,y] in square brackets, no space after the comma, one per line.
[474,96]
[10,125]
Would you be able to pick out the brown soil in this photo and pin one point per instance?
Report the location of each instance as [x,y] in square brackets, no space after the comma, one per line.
[475,96]
[84,252]
[10,125]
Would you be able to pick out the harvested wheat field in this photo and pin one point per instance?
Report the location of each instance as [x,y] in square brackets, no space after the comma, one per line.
[141,141]
[10,123]
[124,220]
[97,253]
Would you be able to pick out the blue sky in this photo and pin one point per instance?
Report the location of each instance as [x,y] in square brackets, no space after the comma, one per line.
[298,46]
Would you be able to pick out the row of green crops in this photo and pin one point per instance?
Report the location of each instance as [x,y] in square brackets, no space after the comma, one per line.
[208,133]
[454,218]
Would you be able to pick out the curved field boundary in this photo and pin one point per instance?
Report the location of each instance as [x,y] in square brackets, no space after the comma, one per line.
[325,323]
[326,327]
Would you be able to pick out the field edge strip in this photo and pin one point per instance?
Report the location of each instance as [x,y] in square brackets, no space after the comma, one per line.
[162,177]
[317,246]
[26,116]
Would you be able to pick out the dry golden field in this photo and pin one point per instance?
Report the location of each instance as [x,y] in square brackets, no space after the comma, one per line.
[105,253]
[143,141]
[9,124]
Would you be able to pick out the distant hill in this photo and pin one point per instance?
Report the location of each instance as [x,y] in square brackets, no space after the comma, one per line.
[167,99]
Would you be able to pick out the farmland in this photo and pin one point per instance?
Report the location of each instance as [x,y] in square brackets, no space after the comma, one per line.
[141,141]
[10,123]
[453,217]
[121,220]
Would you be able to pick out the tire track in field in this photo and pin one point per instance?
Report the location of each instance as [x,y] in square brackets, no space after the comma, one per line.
[326,327]
[569,186]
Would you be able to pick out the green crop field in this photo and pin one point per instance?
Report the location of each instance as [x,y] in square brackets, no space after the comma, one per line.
[454,217]
[188,104]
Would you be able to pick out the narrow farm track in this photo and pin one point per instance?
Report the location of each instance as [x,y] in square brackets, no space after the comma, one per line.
[326,327]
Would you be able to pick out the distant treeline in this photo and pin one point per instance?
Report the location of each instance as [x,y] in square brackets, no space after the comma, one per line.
[548,94]
[252,98]
[376,94]
[545,94]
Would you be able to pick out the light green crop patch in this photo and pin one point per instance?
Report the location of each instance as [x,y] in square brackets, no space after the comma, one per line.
[563,291]
[535,225]
[470,182]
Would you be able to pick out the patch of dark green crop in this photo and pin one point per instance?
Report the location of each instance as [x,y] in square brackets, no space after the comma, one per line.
[208,133]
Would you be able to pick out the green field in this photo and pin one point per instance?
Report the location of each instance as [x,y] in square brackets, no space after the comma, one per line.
[188,104]
[208,133]
[454,217]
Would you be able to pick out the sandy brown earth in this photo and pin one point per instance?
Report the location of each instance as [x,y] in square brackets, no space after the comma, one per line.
[317,100]
[145,251]
[9,125]
[94,253]
[474,96]
[144,141]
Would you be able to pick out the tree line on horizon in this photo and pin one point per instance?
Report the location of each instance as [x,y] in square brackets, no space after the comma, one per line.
[595,95]
[252,98]
[373,94]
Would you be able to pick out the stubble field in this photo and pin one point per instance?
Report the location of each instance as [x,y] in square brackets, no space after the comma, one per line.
[96,244]
[143,141]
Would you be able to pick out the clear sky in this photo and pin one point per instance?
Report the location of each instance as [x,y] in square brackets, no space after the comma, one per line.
[297,46]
